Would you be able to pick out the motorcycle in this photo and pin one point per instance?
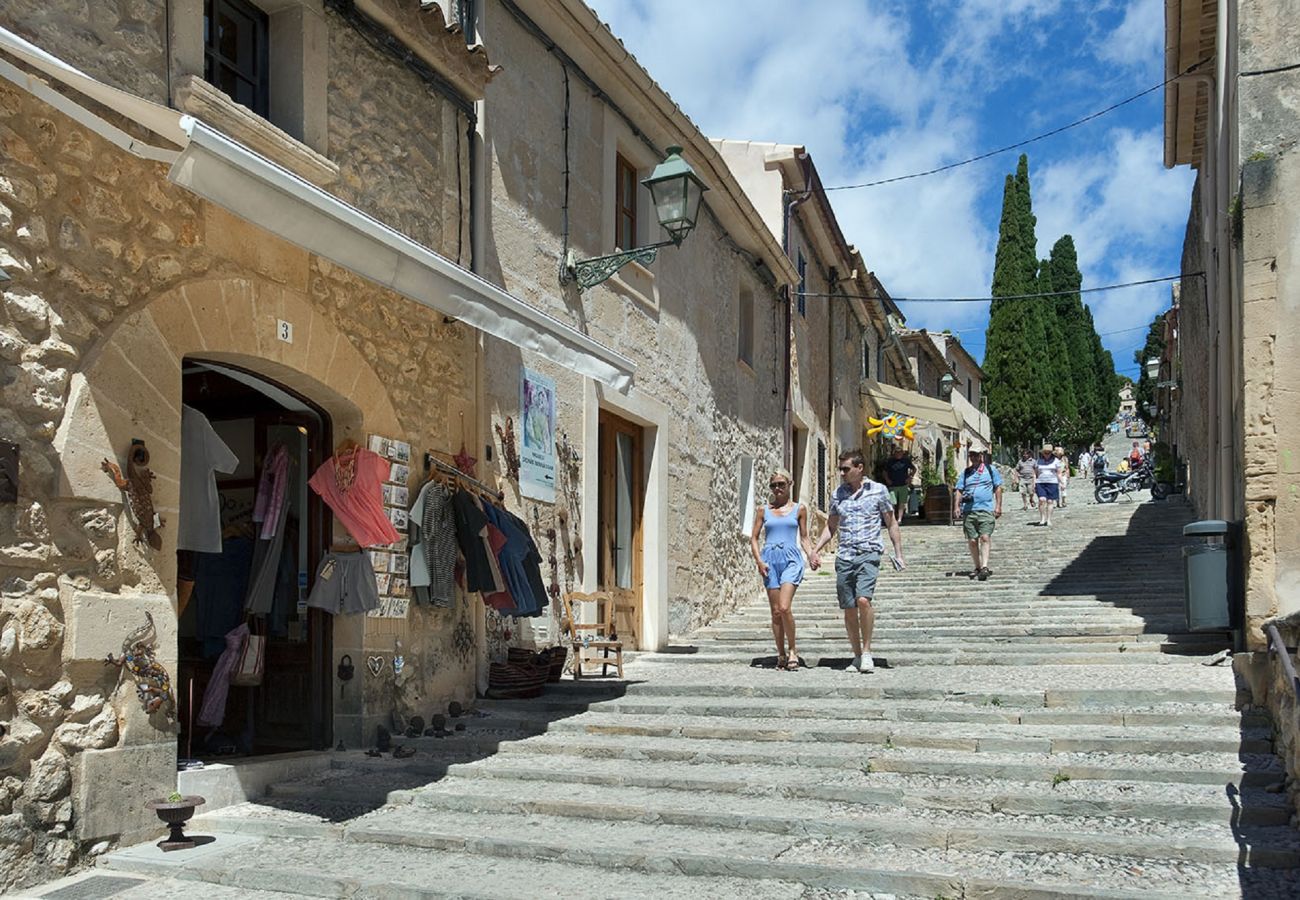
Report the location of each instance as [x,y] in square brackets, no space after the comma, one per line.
[1109,485]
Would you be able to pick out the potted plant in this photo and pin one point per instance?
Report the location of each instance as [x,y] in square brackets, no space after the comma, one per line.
[175,811]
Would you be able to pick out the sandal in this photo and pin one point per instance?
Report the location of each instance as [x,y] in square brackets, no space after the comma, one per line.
[782,661]
[793,664]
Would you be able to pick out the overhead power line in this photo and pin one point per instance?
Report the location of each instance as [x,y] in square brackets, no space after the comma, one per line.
[1027,141]
[1094,290]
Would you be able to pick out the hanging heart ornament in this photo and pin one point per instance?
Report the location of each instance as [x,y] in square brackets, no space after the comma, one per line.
[375,664]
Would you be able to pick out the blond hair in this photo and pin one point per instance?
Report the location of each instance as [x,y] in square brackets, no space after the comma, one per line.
[782,473]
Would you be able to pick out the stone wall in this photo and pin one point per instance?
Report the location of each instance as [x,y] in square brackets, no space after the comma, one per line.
[119,42]
[117,275]
[676,319]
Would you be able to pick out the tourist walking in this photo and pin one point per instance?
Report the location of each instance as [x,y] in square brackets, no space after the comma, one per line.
[1025,474]
[899,470]
[1085,464]
[859,509]
[978,500]
[1064,474]
[1047,483]
[780,561]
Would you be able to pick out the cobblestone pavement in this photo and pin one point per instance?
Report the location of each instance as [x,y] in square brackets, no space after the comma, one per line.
[1049,733]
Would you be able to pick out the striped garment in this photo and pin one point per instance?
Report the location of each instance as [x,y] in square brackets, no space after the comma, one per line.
[861,515]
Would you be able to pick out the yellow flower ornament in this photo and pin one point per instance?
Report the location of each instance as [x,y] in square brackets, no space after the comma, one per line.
[892,426]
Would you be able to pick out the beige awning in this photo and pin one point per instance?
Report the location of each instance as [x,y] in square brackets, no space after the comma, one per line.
[887,398]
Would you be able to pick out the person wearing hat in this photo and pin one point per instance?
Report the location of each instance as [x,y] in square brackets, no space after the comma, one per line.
[978,500]
[1047,483]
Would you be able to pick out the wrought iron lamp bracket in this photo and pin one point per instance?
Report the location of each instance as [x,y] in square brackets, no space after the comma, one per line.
[590,272]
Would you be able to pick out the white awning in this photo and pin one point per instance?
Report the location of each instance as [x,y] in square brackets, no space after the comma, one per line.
[257,190]
[888,398]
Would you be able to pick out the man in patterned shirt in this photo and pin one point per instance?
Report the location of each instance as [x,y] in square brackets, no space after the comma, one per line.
[859,507]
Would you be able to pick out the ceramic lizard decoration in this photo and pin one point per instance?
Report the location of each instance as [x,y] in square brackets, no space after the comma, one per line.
[153,685]
[138,485]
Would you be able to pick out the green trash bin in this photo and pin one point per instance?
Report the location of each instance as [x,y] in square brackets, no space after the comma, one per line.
[1205,576]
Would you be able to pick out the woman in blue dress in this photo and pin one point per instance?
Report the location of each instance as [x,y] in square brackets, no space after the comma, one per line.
[780,562]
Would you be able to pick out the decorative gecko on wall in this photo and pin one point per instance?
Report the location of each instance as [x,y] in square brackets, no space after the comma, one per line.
[153,685]
[138,485]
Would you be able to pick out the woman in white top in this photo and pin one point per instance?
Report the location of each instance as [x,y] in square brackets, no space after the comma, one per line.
[1063,475]
[1047,483]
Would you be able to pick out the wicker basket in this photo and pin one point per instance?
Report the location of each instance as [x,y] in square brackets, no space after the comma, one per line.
[511,680]
[555,658]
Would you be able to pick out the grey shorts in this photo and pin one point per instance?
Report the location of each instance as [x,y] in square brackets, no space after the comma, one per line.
[856,577]
[345,584]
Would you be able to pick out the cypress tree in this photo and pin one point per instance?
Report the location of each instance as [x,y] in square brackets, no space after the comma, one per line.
[1065,408]
[1077,332]
[1015,358]
[1144,391]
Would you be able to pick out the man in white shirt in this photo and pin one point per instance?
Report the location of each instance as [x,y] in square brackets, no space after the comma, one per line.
[1085,464]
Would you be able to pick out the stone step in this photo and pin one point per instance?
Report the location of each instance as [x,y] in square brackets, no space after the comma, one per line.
[652,847]
[1136,687]
[1221,842]
[1243,770]
[979,737]
[940,656]
[1085,798]
[911,710]
[246,866]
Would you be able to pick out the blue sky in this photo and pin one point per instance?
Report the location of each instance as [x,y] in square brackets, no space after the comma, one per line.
[879,88]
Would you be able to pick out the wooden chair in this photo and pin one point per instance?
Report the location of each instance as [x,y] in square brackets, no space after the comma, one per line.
[592,642]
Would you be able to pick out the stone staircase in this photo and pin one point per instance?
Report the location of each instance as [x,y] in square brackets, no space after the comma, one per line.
[1050,733]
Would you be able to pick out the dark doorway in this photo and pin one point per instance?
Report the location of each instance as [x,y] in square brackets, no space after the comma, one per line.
[290,709]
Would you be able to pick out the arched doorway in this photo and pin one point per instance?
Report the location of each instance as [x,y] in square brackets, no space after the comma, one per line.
[249,560]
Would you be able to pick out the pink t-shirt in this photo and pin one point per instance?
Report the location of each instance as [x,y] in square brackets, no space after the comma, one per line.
[361,506]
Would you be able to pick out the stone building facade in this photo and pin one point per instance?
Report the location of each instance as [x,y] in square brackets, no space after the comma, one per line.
[1228,114]
[378,250]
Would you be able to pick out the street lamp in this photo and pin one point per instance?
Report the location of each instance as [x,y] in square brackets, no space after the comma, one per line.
[1153,368]
[675,191]
[945,385]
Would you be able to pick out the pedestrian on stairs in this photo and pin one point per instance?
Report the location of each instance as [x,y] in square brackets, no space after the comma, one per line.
[780,562]
[859,509]
[978,500]
[1047,483]
[1025,471]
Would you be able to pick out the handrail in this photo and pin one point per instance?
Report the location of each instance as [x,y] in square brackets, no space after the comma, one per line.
[1278,646]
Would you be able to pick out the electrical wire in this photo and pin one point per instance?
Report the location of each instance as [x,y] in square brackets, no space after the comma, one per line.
[1055,131]
[1094,290]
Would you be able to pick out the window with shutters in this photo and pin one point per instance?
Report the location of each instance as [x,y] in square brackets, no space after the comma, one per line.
[802,265]
[821,475]
[745,328]
[625,195]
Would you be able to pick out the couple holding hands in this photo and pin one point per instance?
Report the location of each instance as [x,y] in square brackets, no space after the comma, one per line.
[860,510]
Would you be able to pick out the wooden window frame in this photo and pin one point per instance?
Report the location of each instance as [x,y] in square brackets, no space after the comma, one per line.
[745,328]
[625,204]
[802,265]
[255,71]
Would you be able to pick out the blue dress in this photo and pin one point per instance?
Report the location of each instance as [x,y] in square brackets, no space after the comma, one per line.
[781,547]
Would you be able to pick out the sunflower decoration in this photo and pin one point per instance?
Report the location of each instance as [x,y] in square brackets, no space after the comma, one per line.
[893,426]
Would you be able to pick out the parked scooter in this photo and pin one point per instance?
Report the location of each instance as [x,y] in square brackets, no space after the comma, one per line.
[1108,486]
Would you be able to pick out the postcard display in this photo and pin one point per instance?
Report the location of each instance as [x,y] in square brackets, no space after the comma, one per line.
[391,562]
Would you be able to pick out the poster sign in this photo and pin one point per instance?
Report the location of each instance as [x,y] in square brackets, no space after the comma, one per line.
[537,463]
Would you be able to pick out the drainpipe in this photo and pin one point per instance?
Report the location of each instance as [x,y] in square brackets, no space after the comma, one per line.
[789,204]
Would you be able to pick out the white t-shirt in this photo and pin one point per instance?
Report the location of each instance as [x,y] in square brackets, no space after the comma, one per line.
[202,454]
[1048,472]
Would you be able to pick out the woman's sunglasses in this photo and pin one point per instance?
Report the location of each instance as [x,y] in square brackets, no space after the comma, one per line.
[777,485]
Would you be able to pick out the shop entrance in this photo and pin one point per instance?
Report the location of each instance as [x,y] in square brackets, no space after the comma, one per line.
[622,500]
[235,426]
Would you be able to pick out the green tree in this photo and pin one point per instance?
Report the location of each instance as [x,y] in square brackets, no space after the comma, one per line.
[1154,348]
[1060,361]
[1015,360]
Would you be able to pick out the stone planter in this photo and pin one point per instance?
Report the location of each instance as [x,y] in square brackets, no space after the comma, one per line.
[175,814]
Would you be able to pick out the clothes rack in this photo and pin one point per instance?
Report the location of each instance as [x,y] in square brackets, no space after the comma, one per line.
[432,462]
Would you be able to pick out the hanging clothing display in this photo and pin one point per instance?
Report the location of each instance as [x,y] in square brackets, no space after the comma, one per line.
[203,454]
[351,483]
[212,712]
[433,546]
[345,584]
[272,507]
[471,527]
[220,587]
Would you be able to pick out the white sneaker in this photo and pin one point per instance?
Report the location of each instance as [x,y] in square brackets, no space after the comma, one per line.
[855,666]
[868,665]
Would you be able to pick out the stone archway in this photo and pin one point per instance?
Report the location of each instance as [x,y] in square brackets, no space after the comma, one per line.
[130,384]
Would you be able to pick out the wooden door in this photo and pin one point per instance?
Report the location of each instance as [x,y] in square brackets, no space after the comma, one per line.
[621,502]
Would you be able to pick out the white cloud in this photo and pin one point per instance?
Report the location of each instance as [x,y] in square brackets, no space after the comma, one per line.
[1139,39]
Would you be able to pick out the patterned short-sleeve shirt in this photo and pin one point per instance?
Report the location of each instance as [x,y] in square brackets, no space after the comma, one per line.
[861,516]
